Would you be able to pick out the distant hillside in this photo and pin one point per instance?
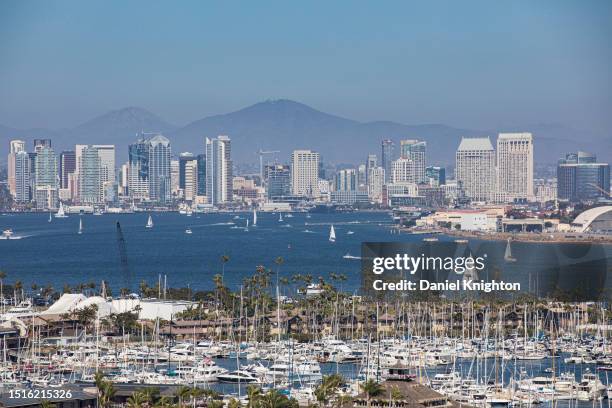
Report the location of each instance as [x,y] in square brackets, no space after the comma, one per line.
[286,125]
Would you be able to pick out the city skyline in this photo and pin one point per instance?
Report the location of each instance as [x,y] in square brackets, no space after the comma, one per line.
[155,174]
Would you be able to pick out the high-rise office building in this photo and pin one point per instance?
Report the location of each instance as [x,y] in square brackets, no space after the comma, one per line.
[22,177]
[345,180]
[581,178]
[515,166]
[219,176]
[278,181]
[371,162]
[159,169]
[174,176]
[475,168]
[138,171]
[40,143]
[90,177]
[124,174]
[435,176]
[387,158]
[305,173]
[15,146]
[415,150]
[201,159]
[191,180]
[46,183]
[404,171]
[46,167]
[376,180]
[362,178]
[67,166]
[107,169]
[183,159]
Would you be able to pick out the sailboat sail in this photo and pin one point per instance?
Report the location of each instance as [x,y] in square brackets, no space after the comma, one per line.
[280,217]
[247,223]
[332,234]
[254,217]
[60,213]
[508,254]
[50,219]
[80,225]
[149,222]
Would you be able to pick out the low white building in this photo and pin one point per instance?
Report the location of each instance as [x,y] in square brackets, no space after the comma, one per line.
[151,309]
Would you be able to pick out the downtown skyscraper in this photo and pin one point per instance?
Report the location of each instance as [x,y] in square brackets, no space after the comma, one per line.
[387,157]
[305,173]
[219,174]
[475,168]
[515,166]
[159,169]
[15,146]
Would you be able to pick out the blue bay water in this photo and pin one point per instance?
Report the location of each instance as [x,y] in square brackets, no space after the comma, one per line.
[53,253]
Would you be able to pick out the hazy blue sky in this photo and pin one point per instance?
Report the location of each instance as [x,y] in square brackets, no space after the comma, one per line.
[475,64]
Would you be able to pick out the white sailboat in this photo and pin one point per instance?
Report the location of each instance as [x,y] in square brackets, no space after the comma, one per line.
[508,254]
[80,226]
[280,217]
[50,218]
[149,222]
[247,225]
[332,234]
[254,217]
[60,213]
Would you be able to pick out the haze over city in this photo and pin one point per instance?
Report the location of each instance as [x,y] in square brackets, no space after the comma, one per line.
[476,65]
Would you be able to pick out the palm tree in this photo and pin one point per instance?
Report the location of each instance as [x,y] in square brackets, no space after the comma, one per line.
[182,393]
[253,393]
[328,387]
[371,389]
[224,259]
[234,403]
[137,400]
[396,395]
[18,288]
[107,394]
[47,404]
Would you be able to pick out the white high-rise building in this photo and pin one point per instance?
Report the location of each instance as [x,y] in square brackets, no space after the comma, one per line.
[107,167]
[415,150]
[219,170]
[22,177]
[376,180]
[174,176]
[15,146]
[515,166]
[404,171]
[191,180]
[475,168]
[305,173]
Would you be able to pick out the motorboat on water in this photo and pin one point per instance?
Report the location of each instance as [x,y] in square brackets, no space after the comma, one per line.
[188,231]
[7,233]
[349,256]
[238,376]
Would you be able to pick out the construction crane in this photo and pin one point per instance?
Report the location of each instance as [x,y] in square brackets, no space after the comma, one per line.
[261,155]
[123,262]
[601,190]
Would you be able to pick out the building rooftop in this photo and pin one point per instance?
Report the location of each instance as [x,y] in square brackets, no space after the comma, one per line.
[475,143]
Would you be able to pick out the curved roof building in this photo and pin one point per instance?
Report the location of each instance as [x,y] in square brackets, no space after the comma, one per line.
[598,219]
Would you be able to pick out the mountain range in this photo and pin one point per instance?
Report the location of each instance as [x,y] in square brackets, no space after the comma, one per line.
[286,125]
